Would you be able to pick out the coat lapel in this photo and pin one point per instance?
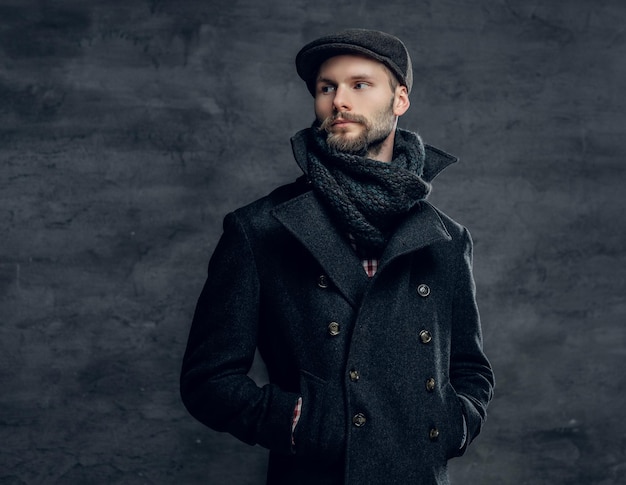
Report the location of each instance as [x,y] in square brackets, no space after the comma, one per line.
[306,219]
[421,228]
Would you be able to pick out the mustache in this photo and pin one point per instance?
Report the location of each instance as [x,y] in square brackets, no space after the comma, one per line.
[342,115]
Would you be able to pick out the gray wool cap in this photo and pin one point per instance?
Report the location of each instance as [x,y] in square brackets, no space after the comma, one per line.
[380,46]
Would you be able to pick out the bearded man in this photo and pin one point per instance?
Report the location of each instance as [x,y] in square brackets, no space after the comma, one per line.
[357,293]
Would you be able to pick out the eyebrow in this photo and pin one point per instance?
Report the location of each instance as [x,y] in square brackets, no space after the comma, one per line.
[355,77]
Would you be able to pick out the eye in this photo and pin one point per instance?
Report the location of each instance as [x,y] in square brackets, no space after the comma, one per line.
[326,88]
[361,85]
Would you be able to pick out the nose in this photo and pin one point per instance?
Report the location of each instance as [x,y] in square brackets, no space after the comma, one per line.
[341,101]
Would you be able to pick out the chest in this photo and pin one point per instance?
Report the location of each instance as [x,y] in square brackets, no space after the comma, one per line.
[316,316]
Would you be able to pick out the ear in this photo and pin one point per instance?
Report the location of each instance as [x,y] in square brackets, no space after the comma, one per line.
[401,101]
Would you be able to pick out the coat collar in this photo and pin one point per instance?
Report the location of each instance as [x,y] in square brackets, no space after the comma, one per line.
[306,219]
[436,160]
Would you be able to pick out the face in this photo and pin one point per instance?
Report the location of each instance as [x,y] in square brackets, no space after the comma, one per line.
[358,101]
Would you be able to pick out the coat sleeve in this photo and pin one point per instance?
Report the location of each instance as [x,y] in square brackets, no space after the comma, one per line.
[471,374]
[214,384]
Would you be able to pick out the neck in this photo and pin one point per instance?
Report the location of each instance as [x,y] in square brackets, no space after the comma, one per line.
[383,152]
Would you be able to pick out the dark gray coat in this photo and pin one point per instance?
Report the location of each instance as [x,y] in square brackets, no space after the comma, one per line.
[387,367]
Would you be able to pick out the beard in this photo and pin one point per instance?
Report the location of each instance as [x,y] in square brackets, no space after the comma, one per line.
[369,141]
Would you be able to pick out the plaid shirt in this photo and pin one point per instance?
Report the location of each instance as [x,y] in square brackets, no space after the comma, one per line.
[296,416]
[370,265]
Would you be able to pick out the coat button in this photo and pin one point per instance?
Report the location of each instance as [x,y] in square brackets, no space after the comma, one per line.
[425,336]
[430,385]
[354,375]
[322,281]
[359,420]
[433,434]
[333,328]
[423,290]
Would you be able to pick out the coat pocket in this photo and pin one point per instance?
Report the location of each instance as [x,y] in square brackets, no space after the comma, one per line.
[321,428]
[454,422]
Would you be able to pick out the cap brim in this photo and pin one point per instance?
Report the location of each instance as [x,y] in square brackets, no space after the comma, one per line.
[308,62]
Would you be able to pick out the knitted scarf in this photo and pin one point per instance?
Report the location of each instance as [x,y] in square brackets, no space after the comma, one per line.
[368,198]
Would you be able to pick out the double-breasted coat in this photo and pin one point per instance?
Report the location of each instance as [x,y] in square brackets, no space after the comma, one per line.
[388,368]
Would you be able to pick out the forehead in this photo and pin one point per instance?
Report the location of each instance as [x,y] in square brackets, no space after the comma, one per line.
[350,65]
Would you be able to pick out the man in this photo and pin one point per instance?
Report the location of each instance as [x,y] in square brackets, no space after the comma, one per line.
[357,292]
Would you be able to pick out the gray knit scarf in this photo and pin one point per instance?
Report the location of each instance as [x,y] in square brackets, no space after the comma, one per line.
[368,198]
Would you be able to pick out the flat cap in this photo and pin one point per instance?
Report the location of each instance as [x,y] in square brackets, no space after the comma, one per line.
[380,46]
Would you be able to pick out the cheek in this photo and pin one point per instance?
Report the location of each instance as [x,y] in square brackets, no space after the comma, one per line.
[323,108]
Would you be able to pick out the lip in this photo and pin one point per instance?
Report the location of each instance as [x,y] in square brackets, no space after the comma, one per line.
[342,122]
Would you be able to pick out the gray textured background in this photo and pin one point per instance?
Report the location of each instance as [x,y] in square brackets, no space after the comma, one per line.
[129,128]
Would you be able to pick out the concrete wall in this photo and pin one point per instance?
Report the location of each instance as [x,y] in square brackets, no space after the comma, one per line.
[129,128]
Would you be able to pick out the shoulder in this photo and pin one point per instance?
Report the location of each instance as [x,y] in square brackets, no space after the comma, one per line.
[259,213]
[455,229]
